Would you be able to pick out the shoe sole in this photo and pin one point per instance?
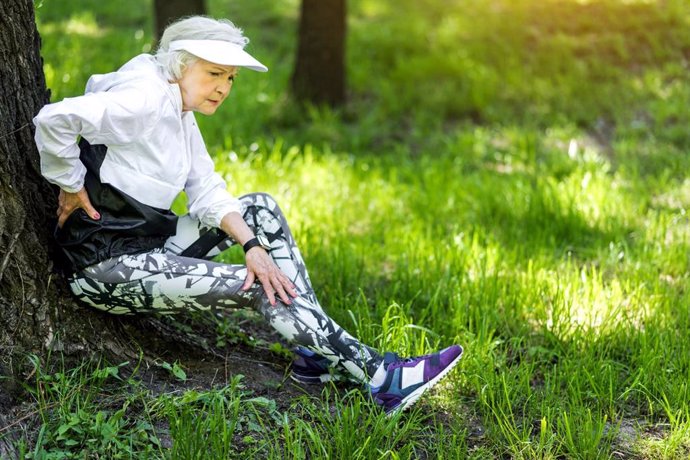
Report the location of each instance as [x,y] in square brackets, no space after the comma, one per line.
[412,398]
[323,378]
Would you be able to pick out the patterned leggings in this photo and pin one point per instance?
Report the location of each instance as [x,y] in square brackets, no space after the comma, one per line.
[180,277]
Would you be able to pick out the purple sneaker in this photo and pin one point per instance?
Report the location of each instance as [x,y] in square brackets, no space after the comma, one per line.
[408,378]
[309,368]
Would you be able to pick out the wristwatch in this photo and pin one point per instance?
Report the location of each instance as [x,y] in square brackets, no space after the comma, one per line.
[258,240]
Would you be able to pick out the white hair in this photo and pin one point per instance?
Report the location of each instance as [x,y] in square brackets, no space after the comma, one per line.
[193,28]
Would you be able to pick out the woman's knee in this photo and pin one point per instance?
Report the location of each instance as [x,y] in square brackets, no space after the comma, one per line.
[261,199]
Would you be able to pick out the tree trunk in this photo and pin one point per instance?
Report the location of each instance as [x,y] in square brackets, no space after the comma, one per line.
[27,298]
[36,311]
[319,75]
[27,200]
[167,11]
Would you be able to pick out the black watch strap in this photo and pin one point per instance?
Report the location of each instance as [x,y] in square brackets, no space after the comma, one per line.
[258,240]
[250,244]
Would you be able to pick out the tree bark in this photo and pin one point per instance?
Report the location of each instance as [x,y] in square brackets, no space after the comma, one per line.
[167,11]
[27,201]
[26,294]
[37,313]
[319,75]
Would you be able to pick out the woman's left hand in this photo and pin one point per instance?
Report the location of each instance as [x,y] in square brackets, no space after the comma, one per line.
[261,267]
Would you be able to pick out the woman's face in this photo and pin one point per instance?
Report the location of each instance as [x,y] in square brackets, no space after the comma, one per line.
[205,85]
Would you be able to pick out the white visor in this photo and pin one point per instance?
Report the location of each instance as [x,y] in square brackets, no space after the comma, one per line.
[218,52]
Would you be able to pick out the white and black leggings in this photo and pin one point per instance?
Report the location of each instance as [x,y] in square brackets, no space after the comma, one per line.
[180,277]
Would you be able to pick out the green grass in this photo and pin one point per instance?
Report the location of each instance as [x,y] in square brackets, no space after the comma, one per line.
[509,175]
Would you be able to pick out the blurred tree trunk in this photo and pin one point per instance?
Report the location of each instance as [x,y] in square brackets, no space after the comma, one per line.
[319,75]
[167,11]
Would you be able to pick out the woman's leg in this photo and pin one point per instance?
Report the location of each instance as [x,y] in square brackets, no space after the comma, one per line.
[159,282]
[165,281]
[264,217]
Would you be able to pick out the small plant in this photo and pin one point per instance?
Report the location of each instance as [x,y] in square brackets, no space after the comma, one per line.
[351,427]
[217,423]
[398,333]
[229,330]
[585,436]
[175,369]
[84,415]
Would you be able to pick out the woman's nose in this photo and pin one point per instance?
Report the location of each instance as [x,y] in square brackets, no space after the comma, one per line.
[224,88]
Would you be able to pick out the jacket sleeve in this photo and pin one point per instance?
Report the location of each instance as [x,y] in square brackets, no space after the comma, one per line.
[208,198]
[101,118]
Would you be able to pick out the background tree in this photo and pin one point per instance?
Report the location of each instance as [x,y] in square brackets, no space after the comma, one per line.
[167,11]
[319,75]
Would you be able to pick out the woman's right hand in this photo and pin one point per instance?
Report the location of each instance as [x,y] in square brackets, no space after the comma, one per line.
[70,202]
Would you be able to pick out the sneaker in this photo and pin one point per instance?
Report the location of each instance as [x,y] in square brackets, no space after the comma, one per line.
[408,378]
[310,368]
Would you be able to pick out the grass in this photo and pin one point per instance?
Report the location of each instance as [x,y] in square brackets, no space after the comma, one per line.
[509,175]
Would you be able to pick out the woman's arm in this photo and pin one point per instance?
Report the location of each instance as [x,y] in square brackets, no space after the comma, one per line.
[260,266]
[98,117]
[210,203]
[107,118]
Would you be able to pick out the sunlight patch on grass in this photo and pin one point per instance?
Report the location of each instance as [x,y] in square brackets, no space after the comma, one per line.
[591,307]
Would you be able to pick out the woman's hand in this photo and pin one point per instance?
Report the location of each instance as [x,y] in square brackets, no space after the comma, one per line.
[260,266]
[70,202]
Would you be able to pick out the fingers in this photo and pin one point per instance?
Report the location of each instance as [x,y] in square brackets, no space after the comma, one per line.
[85,203]
[268,289]
[262,268]
[249,281]
[62,217]
[272,286]
[60,209]
[281,290]
[69,202]
[63,212]
[92,212]
[288,286]
[281,285]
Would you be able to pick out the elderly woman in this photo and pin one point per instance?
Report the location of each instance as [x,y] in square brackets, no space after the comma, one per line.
[124,150]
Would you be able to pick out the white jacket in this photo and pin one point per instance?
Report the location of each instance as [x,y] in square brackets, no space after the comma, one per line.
[154,149]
